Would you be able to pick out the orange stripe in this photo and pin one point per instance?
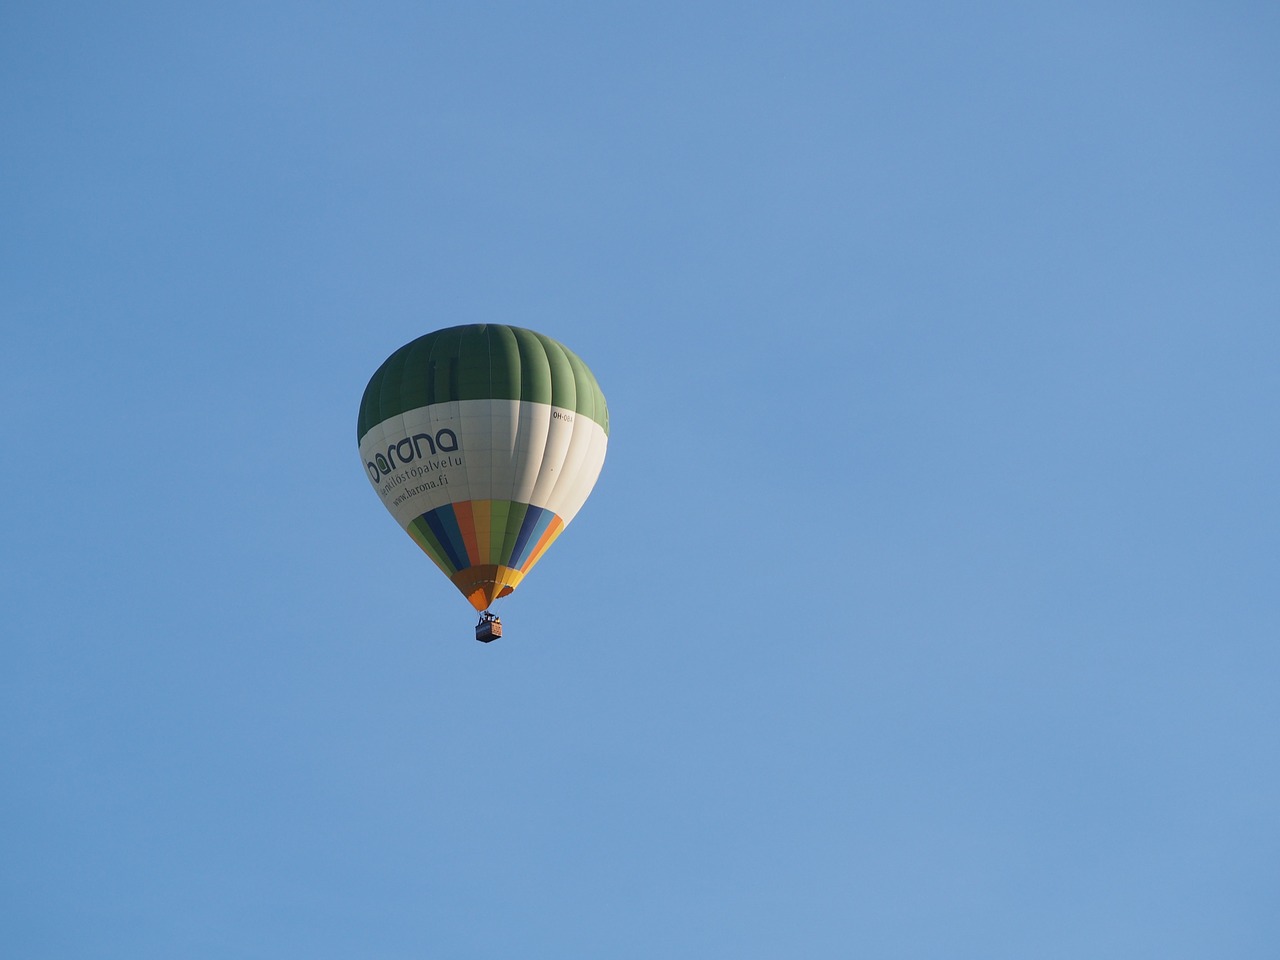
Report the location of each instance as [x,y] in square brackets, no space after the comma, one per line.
[548,535]
[467,526]
[480,512]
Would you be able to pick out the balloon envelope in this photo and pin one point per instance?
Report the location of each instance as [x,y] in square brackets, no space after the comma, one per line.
[483,441]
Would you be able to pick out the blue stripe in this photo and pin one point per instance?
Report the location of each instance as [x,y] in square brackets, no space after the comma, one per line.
[445,526]
[531,519]
[539,529]
[438,552]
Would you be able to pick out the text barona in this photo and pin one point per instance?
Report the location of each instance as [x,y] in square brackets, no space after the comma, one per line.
[410,449]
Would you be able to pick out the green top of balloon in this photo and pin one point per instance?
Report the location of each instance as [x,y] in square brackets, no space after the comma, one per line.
[481,361]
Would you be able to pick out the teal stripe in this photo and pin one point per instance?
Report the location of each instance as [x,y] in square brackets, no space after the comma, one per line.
[478,362]
[530,534]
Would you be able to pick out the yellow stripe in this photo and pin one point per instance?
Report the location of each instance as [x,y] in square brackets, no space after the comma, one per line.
[480,513]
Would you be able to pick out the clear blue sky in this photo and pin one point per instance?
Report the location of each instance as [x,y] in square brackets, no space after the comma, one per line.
[927,606]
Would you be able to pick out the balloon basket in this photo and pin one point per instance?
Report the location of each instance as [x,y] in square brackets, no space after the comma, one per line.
[489,628]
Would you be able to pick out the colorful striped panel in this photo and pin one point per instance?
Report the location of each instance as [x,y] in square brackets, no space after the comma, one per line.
[486,546]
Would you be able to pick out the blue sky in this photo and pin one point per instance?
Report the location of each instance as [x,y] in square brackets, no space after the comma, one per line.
[926,606]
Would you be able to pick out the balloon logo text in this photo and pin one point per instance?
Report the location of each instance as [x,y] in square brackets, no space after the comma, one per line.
[410,449]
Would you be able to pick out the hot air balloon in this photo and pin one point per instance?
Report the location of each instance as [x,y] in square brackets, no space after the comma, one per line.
[483,441]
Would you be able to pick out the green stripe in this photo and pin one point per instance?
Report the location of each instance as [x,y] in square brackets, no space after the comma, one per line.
[535,385]
[564,390]
[515,518]
[499,510]
[481,361]
[424,538]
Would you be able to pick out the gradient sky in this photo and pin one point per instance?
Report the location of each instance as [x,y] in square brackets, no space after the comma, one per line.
[927,605]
